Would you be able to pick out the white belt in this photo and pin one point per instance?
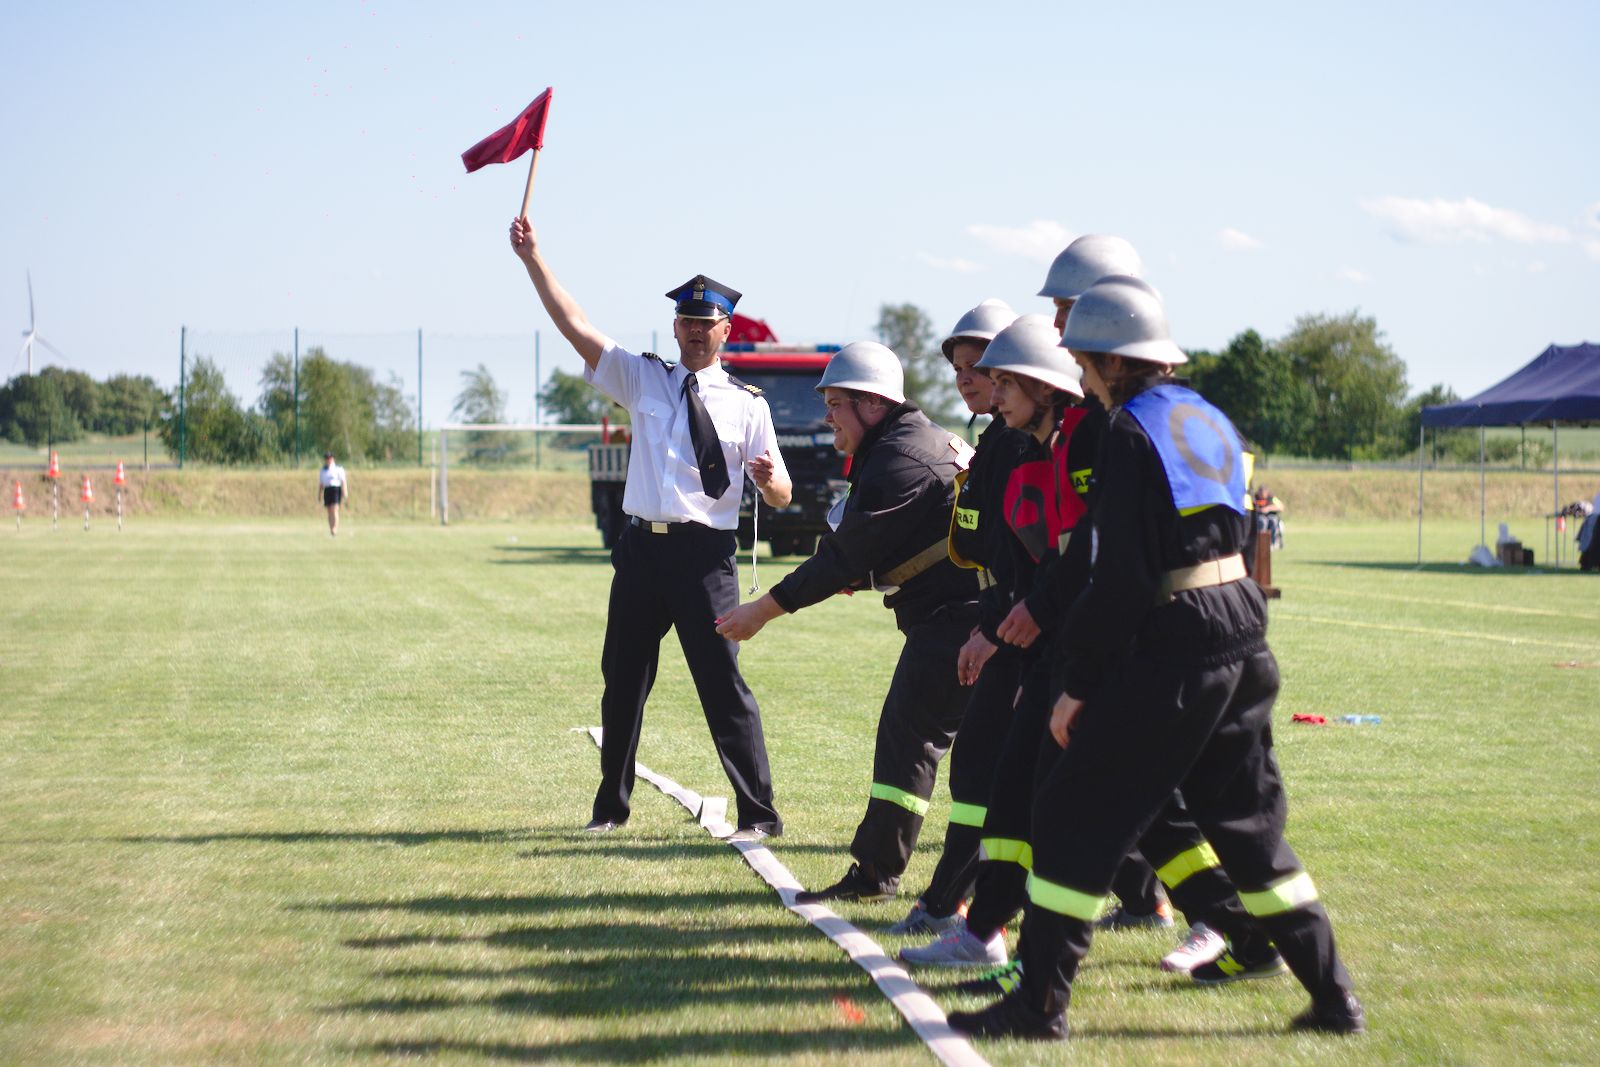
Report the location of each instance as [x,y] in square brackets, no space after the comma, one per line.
[1202,576]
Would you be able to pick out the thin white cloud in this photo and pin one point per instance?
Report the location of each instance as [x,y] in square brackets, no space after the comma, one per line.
[1237,240]
[1354,274]
[1040,240]
[957,265]
[1591,248]
[1440,221]
[1537,267]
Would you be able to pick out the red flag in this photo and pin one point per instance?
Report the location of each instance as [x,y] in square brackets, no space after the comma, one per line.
[509,142]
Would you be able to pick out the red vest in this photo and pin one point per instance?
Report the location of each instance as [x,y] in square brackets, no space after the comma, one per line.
[1041,502]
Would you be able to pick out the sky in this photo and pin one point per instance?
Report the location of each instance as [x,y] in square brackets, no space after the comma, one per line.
[240,170]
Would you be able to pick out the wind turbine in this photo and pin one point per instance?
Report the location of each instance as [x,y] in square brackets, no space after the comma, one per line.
[30,336]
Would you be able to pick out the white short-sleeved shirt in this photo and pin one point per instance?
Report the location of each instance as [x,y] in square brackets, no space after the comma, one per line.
[331,476]
[663,478]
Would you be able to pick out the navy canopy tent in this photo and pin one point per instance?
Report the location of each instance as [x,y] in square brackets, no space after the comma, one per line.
[1562,384]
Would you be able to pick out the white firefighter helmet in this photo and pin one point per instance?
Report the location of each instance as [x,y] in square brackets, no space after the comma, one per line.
[867,367]
[1029,347]
[1085,261]
[980,324]
[1122,316]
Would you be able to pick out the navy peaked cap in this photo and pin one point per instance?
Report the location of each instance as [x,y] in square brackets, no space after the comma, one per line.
[702,298]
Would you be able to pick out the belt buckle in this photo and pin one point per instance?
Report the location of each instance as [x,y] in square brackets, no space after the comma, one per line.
[659,528]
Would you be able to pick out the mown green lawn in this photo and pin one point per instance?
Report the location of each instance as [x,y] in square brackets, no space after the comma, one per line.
[268,796]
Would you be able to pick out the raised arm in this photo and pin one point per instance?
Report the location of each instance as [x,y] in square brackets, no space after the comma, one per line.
[558,303]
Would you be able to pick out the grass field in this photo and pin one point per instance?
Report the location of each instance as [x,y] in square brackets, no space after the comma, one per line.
[267,796]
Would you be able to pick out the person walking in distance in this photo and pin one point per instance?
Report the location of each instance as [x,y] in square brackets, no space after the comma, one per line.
[334,487]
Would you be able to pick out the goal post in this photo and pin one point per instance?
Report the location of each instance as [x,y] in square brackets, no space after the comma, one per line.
[495,444]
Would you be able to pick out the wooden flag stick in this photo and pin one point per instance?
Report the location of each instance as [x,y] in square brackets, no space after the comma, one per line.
[527,194]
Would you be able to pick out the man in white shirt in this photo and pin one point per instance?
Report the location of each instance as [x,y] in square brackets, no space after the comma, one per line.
[696,432]
[331,483]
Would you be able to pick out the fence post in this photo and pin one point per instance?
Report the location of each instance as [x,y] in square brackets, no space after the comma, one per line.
[183,389]
[444,477]
[419,396]
[297,398]
[538,415]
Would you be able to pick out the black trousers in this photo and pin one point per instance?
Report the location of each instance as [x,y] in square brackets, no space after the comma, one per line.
[1154,727]
[684,579]
[973,759]
[920,716]
[1172,841]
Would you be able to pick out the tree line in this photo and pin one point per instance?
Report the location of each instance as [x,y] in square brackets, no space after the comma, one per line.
[1330,388]
[63,405]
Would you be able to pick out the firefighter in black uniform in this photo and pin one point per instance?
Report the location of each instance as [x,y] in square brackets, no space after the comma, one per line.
[1169,683]
[697,431]
[977,541]
[890,533]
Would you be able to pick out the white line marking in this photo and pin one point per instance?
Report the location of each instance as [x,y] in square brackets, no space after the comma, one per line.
[908,998]
[1432,631]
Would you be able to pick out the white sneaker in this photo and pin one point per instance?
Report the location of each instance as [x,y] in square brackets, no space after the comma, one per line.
[959,947]
[1201,946]
[918,921]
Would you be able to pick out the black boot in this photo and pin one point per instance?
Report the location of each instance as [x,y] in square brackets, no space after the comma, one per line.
[1342,1016]
[1011,1017]
[860,882]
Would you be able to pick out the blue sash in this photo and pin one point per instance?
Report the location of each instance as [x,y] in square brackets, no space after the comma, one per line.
[1198,446]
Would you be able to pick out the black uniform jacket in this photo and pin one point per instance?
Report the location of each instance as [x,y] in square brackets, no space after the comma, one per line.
[1138,537]
[999,450]
[901,490]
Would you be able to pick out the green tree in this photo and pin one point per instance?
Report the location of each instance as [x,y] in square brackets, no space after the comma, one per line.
[481,401]
[215,427]
[34,411]
[568,398]
[128,403]
[335,416]
[1255,385]
[1356,384]
[907,330]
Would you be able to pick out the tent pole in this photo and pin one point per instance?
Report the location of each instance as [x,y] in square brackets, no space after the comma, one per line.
[1483,492]
[1422,447]
[1555,468]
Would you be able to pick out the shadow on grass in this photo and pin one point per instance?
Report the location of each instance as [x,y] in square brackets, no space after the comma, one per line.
[540,903]
[649,1047]
[1439,568]
[407,838]
[550,555]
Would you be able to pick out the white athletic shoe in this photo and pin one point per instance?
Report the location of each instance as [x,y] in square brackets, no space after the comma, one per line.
[959,947]
[1201,946]
[918,921]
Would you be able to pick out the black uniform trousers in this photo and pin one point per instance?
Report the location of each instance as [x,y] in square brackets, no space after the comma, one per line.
[686,579]
[1156,726]
[1172,841]
[920,716]
[973,759]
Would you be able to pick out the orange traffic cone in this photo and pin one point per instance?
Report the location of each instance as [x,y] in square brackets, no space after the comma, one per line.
[121,478]
[88,491]
[17,500]
[54,470]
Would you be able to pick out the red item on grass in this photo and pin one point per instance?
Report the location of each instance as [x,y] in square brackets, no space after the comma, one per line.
[510,141]
[1311,720]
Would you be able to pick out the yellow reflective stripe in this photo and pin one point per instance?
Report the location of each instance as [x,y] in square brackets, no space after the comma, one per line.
[1197,509]
[967,518]
[1249,476]
[1292,892]
[1007,850]
[910,801]
[1064,900]
[967,814]
[1185,864]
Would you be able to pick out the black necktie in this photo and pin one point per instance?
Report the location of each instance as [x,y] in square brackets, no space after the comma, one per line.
[707,451]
